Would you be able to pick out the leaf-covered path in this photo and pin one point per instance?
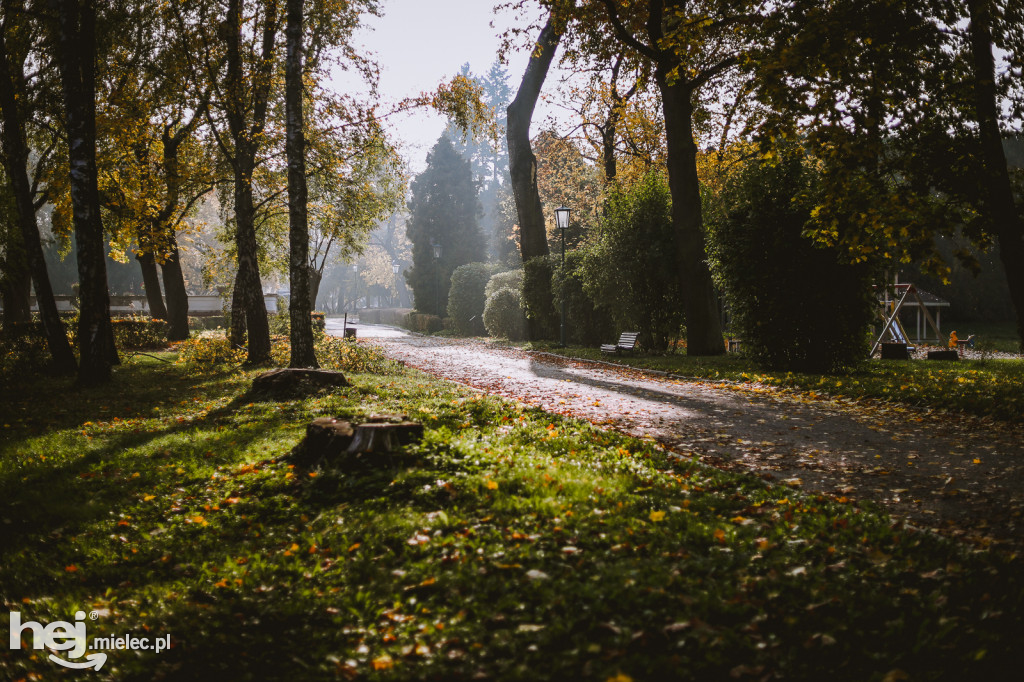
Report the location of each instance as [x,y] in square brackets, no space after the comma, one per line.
[960,475]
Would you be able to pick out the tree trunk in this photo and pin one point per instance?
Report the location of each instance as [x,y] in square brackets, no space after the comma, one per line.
[248,300]
[177,296]
[15,282]
[151,281]
[236,333]
[16,157]
[533,237]
[315,277]
[248,287]
[76,55]
[997,195]
[299,304]
[703,325]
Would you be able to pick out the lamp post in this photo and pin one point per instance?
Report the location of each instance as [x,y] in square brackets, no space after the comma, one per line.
[355,286]
[437,276]
[562,222]
[395,267]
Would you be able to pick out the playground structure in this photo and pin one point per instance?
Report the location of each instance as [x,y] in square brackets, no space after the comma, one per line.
[908,297]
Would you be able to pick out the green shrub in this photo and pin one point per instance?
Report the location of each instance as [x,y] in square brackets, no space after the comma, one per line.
[631,269]
[281,322]
[139,332]
[346,355]
[513,279]
[209,350]
[796,304]
[466,299]
[586,324]
[23,345]
[537,300]
[503,315]
[423,323]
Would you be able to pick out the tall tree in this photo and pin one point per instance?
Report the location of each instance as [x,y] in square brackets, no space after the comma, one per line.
[904,106]
[997,198]
[523,174]
[16,157]
[164,102]
[74,45]
[444,210]
[299,305]
[690,45]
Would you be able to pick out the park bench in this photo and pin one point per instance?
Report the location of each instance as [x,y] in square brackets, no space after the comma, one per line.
[627,342]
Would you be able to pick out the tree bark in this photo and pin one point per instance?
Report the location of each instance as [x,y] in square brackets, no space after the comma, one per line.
[315,277]
[997,190]
[174,278]
[16,287]
[76,56]
[299,304]
[533,238]
[174,290]
[16,160]
[703,325]
[248,300]
[151,279]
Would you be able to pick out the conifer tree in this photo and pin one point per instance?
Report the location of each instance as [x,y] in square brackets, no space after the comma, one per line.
[444,210]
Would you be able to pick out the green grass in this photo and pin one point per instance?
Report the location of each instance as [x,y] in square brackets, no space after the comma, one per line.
[987,388]
[510,544]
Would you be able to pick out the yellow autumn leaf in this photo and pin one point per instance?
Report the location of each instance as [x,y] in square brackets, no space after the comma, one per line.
[657,516]
[383,662]
[492,485]
[147,498]
[619,677]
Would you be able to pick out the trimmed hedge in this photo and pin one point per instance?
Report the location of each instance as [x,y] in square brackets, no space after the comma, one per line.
[513,279]
[466,299]
[503,315]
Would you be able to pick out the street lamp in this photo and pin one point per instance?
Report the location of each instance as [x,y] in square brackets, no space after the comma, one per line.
[355,286]
[395,267]
[562,223]
[437,276]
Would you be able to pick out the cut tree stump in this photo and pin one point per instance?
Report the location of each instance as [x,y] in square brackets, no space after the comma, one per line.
[339,444]
[294,381]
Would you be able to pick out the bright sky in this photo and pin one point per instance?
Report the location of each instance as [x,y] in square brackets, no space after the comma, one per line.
[419,44]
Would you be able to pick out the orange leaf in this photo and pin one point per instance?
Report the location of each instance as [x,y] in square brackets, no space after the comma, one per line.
[383,662]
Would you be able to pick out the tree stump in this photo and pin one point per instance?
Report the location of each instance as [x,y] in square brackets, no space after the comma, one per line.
[338,444]
[294,381]
[895,351]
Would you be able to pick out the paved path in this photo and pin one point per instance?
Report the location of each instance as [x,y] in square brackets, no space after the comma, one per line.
[959,475]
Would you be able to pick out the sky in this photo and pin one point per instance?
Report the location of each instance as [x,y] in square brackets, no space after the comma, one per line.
[419,44]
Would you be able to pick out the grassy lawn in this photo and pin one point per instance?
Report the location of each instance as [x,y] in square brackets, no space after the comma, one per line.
[988,388]
[509,544]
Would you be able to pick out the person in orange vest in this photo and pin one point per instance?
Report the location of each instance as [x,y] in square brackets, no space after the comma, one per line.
[952,339]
